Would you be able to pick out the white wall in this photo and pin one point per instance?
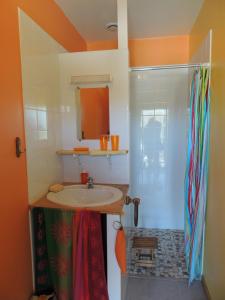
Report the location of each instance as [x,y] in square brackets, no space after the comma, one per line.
[113,270]
[158,145]
[114,62]
[41,96]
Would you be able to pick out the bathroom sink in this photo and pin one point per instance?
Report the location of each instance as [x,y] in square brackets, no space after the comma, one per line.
[81,196]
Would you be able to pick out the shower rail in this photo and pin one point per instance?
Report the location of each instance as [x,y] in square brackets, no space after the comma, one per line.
[135,69]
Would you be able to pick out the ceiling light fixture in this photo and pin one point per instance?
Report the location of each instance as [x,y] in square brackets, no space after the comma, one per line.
[112,26]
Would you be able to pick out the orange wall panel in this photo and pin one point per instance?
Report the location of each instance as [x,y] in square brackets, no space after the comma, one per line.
[102,45]
[151,51]
[159,51]
[15,259]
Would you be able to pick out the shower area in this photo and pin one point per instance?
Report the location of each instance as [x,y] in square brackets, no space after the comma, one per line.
[160,111]
[159,108]
[158,120]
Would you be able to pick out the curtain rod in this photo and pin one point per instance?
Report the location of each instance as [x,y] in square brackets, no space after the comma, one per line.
[207,65]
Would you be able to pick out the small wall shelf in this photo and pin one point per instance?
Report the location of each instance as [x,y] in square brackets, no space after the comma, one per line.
[92,152]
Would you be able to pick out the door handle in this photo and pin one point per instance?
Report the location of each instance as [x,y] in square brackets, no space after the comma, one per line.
[18,147]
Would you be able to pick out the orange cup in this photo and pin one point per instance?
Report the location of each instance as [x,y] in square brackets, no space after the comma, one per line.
[104,142]
[84,177]
[115,139]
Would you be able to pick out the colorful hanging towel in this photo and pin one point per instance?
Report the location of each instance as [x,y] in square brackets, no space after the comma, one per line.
[196,179]
[43,283]
[89,281]
[59,243]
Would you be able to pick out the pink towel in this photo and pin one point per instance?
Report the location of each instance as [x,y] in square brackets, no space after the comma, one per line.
[88,266]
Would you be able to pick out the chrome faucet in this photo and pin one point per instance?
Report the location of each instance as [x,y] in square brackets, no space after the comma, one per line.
[90,183]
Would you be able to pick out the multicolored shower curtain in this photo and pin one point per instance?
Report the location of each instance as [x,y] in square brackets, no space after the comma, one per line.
[196,179]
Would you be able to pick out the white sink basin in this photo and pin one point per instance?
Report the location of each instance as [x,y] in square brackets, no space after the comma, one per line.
[81,196]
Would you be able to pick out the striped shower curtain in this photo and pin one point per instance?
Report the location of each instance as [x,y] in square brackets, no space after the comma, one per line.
[197,172]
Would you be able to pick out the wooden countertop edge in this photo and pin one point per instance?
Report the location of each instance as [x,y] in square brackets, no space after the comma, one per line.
[115,208]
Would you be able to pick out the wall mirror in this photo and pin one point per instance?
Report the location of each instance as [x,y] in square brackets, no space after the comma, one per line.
[92,112]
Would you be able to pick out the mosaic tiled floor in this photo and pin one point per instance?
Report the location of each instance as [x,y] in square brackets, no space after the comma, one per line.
[169,257]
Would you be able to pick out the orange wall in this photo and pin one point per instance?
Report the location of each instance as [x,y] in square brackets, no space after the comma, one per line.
[159,51]
[102,45]
[15,261]
[152,51]
[48,15]
[212,16]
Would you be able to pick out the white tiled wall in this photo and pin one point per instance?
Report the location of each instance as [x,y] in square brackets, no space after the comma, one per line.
[50,110]
[114,62]
[158,145]
[41,95]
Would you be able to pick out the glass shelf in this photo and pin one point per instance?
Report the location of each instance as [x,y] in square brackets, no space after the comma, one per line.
[92,152]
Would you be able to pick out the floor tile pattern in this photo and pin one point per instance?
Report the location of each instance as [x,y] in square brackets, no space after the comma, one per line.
[169,257]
